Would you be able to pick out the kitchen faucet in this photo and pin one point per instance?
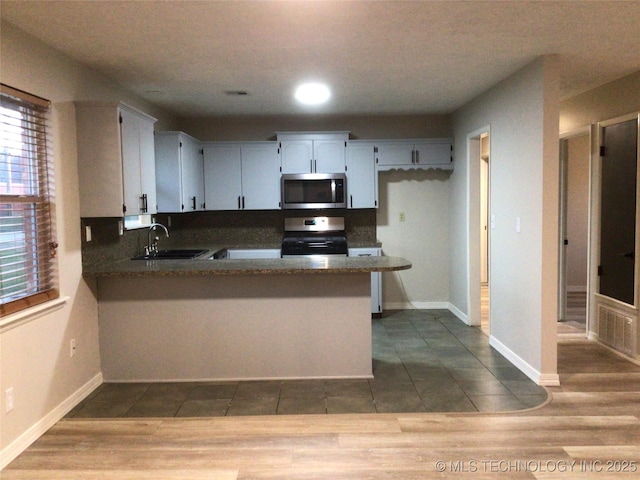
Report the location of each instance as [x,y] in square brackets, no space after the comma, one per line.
[152,248]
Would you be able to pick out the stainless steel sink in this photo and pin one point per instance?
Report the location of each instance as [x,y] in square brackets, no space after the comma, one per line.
[177,254]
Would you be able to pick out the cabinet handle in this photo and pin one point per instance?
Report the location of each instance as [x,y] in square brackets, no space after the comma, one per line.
[243,202]
[315,166]
[417,156]
[193,200]
[364,254]
[238,202]
[143,208]
[351,201]
[413,156]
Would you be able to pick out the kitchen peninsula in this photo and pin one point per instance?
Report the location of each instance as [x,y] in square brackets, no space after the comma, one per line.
[202,319]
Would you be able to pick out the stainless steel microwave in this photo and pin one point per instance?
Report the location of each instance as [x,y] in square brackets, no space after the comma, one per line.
[314,190]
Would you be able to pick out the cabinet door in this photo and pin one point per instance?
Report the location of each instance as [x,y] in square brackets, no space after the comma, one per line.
[362,178]
[99,160]
[222,177]
[147,166]
[131,168]
[138,164]
[432,153]
[260,177]
[296,156]
[168,185]
[396,153]
[329,156]
[192,175]
[376,277]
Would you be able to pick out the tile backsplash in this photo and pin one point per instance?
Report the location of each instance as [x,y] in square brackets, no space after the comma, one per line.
[247,229]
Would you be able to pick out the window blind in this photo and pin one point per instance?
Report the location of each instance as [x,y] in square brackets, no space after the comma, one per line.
[28,266]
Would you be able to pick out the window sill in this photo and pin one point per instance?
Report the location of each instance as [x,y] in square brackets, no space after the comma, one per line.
[25,316]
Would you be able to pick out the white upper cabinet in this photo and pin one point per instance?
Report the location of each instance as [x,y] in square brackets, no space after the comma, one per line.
[222,177]
[260,176]
[179,173]
[418,154]
[116,160]
[296,156]
[313,152]
[362,178]
[242,176]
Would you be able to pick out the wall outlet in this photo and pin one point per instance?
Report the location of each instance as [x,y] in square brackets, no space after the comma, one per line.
[402,217]
[72,347]
[8,400]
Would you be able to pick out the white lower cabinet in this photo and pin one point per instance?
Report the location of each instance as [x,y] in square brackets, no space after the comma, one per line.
[236,253]
[376,277]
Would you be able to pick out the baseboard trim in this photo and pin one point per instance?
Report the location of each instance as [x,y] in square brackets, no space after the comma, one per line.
[416,306]
[544,379]
[463,317]
[596,338]
[20,444]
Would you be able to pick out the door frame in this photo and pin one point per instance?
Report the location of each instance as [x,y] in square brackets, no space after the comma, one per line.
[562,234]
[601,125]
[473,225]
[604,310]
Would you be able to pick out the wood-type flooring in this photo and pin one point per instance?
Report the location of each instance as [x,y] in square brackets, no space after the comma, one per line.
[589,429]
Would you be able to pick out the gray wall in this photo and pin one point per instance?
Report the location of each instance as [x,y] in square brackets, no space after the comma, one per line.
[522,113]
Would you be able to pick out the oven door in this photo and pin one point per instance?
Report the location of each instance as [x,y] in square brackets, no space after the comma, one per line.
[313,191]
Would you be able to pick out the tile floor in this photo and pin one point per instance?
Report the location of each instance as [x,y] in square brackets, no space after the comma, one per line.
[423,361]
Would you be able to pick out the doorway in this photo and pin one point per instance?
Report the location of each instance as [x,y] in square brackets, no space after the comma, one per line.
[574,231]
[484,233]
[615,271]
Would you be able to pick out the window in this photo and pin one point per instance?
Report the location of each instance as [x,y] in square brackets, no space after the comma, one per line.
[28,267]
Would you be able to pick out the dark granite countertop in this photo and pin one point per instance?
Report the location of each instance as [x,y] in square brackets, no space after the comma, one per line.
[202,266]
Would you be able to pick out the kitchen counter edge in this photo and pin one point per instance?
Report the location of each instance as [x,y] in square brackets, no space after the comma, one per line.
[268,266]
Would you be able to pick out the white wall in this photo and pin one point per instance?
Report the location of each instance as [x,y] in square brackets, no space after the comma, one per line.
[608,101]
[34,356]
[577,212]
[423,238]
[522,112]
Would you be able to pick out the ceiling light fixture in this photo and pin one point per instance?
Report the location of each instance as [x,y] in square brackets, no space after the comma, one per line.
[312,93]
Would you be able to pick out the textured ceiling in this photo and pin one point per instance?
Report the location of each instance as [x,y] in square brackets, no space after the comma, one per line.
[379,57]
